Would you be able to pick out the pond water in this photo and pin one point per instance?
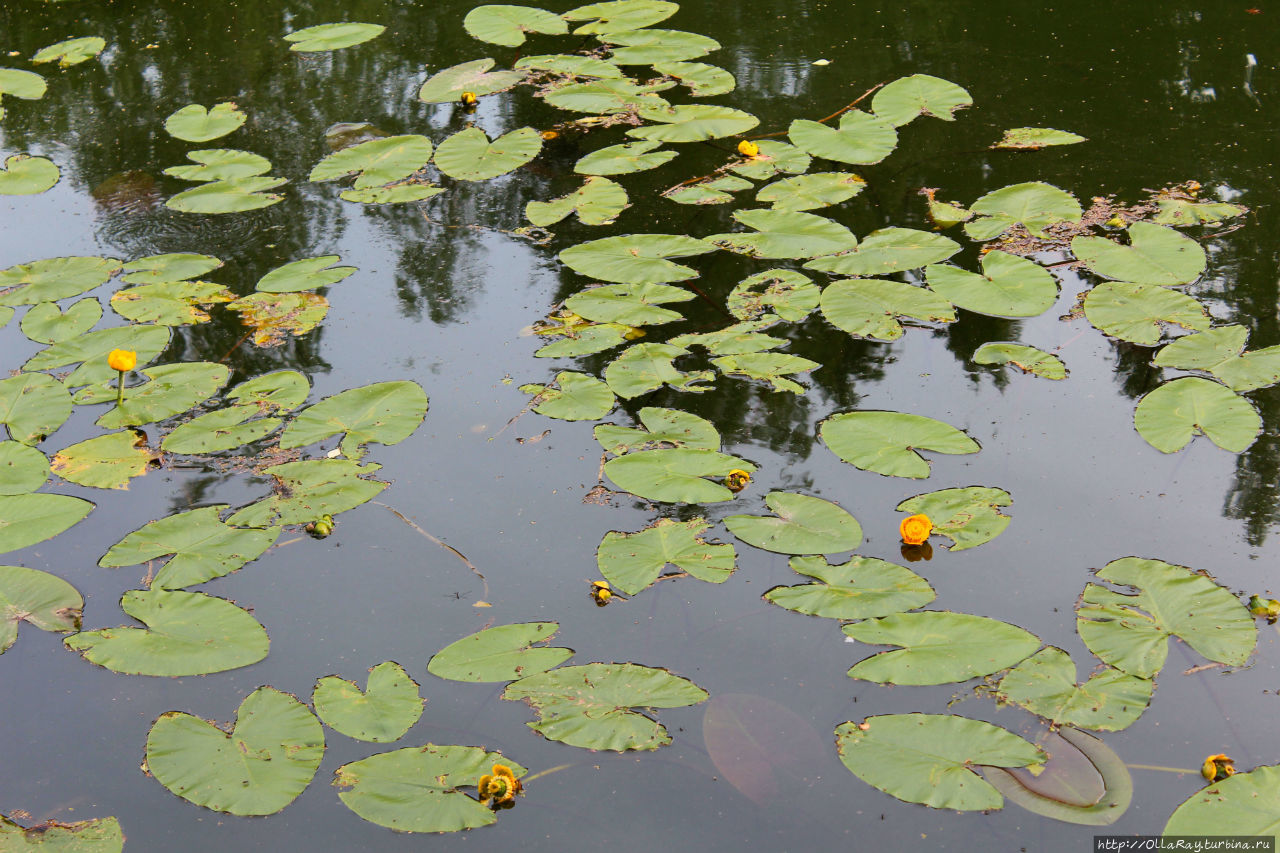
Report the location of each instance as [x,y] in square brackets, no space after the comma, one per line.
[1164,93]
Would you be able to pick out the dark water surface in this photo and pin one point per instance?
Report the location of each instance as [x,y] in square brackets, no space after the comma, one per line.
[1165,92]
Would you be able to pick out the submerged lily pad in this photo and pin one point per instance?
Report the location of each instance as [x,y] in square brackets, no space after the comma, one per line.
[809,192]
[862,588]
[1243,803]
[1026,358]
[889,250]
[932,758]
[92,349]
[187,633]
[920,94]
[32,406]
[468,155]
[1067,787]
[870,307]
[202,546]
[597,202]
[938,647]
[47,324]
[37,598]
[888,442]
[311,488]
[662,428]
[789,294]
[1171,415]
[1010,286]
[194,123]
[377,161]
[504,653]
[1034,205]
[1130,632]
[416,789]
[1134,312]
[591,705]
[383,412]
[675,475]
[785,234]
[475,77]
[862,138]
[99,835]
[275,316]
[575,397]
[381,713]
[257,768]
[1031,138]
[70,51]
[642,368]
[332,36]
[507,25]
[1156,254]
[1045,684]
[623,159]
[105,462]
[633,561]
[26,175]
[51,279]
[235,195]
[968,517]
[29,519]
[803,525]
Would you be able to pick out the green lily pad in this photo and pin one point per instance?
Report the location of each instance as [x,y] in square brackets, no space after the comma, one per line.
[932,758]
[771,367]
[715,191]
[29,519]
[616,16]
[33,406]
[1009,286]
[23,469]
[170,390]
[803,525]
[635,258]
[105,462]
[173,266]
[25,175]
[1134,312]
[920,94]
[591,706]
[187,633]
[221,164]
[629,304]
[1178,212]
[888,442]
[785,234]
[47,324]
[332,36]
[194,123]
[475,77]
[377,161]
[37,598]
[1220,351]
[667,428]
[416,789]
[889,250]
[1045,684]
[809,192]
[1065,788]
[507,25]
[468,155]
[862,138]
[1244,803]
[1034,205]
[1032,138]
[20,84]
[383,712]
[789,294]
[870,307]
[1171,415]
[702,80]
[569,64]
[70,51]
[169,303]
[257,768]
[52,279]
[577,397]
[1156,254]
[739,339]
[276,392]
[275,316]
[862,588]
[633,561]
[92,349]
[395,194]
[774,158]
[383,412]
[230,196]
[504,653]
[642,368]
[311,488]
[597,202]
[1129,632]
[99,835]
[623,159]
[675,475]
[651,47]
[1027,359]
[607,96]
[694,123]
[968,517]
[585,340]
[938,647]
[201,545]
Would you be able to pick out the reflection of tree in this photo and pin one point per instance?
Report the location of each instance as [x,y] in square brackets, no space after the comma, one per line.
[971,331]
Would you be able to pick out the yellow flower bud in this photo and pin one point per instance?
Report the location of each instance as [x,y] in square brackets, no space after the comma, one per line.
[915,529]
[1217,767]
[122,360]
[736,480]
[549,135]
[468,99]
[747,148]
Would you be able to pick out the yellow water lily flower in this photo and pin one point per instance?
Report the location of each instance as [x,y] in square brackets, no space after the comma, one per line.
[122,360]
[736,480]
[468,99]
[601,592]
[501,786]
[747,148]
[1217,767]
[915,529]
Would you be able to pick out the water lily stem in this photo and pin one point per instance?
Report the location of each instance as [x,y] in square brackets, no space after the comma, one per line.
[1162,769]
[119,388]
